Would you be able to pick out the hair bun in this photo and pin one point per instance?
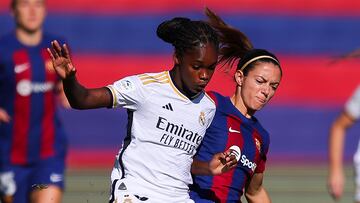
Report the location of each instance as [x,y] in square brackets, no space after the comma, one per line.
[168,30]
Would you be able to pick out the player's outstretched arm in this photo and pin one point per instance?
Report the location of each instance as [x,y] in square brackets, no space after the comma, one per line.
[336,178]
[220,163]
[255,191]
[78,96]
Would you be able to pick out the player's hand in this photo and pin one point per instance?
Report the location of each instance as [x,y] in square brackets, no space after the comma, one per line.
[61,60]
[4,116]
[222,162]
[336,182]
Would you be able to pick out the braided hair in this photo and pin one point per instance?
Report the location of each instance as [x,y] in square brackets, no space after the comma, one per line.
[185,34]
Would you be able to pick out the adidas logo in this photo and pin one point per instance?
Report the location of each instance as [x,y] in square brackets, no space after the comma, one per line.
[168,107]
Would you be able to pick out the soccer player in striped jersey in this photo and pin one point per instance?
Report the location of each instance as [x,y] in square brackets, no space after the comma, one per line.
[168,114]
[32,140]
[235,127]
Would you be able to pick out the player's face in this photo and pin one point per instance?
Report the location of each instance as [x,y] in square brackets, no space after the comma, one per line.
[29,14]
[260,85]
[197,67]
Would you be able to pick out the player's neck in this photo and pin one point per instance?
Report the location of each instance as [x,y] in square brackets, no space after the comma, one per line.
[29,38]
[175,77]
[239,104]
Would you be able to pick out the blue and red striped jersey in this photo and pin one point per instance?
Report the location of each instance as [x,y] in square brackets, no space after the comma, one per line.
[230,128]
[28,93]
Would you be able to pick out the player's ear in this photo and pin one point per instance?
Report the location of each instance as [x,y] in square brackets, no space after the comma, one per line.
[239,77]
[176,59]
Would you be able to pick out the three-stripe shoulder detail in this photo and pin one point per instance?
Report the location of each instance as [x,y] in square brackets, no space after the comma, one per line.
[157,78]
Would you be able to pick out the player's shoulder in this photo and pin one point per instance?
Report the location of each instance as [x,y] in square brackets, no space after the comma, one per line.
[352,105]
[357,91]
[355,97]
[261,130]
[140,81]
[7,40]
[216,97]
[156,78]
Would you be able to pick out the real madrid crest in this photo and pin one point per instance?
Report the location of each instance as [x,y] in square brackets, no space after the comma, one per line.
[202,118]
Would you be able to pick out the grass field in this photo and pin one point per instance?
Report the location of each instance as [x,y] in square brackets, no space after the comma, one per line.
[286,184]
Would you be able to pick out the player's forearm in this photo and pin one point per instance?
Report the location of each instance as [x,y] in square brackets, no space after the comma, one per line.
[336,147]
[336,140]
[258,196]
[200,168]
[80,97]
[75,93]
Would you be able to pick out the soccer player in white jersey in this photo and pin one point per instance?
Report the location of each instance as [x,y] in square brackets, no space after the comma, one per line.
[346,119]
[168,115]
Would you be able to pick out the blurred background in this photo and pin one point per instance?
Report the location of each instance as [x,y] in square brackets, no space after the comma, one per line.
[110,39]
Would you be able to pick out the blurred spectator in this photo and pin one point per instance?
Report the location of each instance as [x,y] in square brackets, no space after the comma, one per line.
[32,140]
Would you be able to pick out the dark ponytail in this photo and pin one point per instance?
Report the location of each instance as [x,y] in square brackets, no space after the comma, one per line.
[234,44]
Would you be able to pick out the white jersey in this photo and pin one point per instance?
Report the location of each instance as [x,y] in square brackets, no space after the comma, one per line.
[352,106]
[164,130]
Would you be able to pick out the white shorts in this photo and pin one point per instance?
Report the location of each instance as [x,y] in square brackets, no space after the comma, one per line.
[120,194]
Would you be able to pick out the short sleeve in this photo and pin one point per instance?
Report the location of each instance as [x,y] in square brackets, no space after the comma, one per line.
[260,168]
[128,93]
[352,106]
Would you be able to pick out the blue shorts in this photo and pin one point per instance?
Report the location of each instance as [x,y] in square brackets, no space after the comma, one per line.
[19,181]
